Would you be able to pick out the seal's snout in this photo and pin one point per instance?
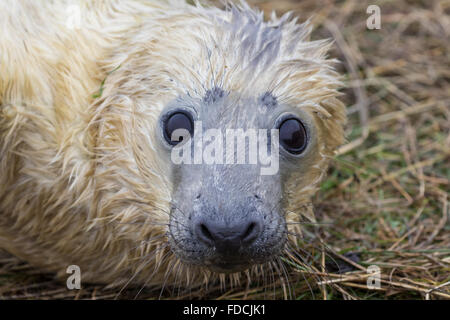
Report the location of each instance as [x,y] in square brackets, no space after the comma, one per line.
[228,237]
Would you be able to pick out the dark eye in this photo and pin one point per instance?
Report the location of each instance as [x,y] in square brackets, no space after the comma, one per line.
[178,120]
[293,136]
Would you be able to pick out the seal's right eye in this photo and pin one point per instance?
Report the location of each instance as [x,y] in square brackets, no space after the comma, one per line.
[176,121]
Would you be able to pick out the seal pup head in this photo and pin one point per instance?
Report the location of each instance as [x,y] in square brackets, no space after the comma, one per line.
[205,71]
[232,157]
[263,91]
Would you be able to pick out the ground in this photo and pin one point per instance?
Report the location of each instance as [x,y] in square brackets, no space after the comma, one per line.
[386,199]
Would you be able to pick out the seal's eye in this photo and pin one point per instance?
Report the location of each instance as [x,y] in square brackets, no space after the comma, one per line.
[178,120]
[293,135]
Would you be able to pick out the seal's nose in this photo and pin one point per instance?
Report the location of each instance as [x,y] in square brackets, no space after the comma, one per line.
[228,237]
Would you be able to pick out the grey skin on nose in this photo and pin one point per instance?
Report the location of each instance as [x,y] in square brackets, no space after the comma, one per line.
[228,237]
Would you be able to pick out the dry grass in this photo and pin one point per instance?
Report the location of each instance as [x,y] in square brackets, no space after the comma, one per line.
[386,200]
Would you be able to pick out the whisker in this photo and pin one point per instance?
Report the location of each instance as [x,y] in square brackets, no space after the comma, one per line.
[166,277]
[154,272]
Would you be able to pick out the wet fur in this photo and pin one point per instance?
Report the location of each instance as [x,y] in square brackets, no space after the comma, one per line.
[81,181]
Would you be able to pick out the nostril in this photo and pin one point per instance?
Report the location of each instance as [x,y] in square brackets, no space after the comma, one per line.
[227,236]
[251,233]
[204,234]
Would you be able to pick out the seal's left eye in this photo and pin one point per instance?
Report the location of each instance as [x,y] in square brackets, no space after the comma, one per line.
[178,120]
[293,135]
